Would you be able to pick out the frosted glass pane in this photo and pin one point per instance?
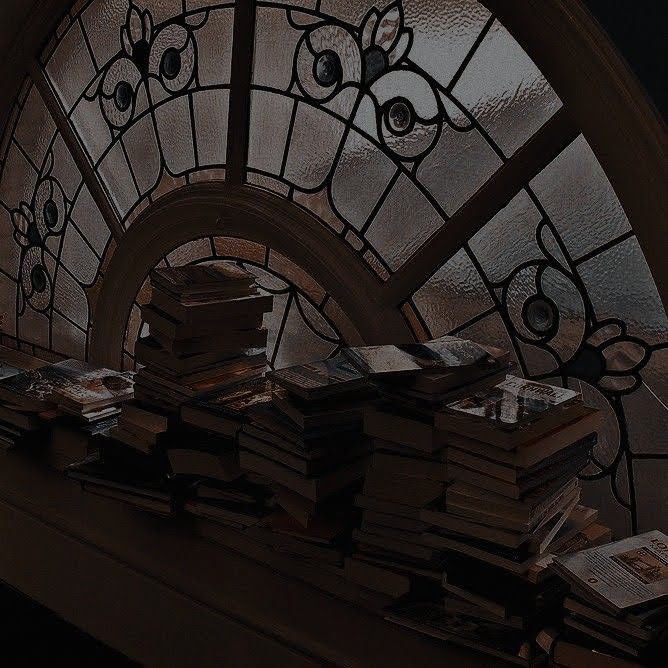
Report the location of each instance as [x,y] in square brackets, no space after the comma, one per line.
[580,200]
[453,296]
[35,129]
[70,300]
[620,285]
[271,115]
[143,153]
[353,200]
[457,166]
[404,222]
[509,239]
[71,68]
[505,91]
[275,43]
[315,140]
[78,257]
[214,48]
[210,117]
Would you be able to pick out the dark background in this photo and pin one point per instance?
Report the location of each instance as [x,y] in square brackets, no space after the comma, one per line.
[639,28]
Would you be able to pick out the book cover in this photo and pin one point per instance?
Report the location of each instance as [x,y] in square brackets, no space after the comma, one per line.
[446,352]
[513,402]
[621,575]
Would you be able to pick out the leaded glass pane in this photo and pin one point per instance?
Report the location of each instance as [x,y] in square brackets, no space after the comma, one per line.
[146,86]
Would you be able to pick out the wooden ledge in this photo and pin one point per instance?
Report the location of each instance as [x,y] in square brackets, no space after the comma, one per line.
[160,594]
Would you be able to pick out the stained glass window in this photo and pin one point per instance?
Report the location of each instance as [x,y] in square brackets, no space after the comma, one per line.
[389,122]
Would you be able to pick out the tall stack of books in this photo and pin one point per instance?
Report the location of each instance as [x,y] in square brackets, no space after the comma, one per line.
[206,337]
[206,334]
[408,470]
[306,441]
[513,451]
[616,612]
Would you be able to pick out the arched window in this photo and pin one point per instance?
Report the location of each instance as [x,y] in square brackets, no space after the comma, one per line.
[389,170]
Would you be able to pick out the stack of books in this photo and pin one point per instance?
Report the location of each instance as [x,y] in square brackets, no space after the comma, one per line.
[19,422]
[408,470]
[306,442]
[513,452]
[72,398]
[205,325]
[206,334]
[616,612]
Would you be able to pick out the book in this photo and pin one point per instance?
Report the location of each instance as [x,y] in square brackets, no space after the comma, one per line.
[404,429]
[84,388]
[228,309]
[318,380]
[232,342]
[586,422]
[443,353]
[172,328]
[620,576]
[512,413]
[309,415]
[572,655]
[313,488]
[219,279]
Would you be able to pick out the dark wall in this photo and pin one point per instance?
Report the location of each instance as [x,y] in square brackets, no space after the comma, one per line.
[640,31]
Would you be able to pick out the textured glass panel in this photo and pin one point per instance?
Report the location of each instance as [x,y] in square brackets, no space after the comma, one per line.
[615,293]
[210,109]
[404,222]
[271,116]
[102,20]
[508,239]
[190,252]
[71,68]
[35,129]
[458,165]
[453,296]
[78,256]
[176,135]
[143,153]
[67,338]
[214,48]
[580,200]
[647,406]
[315,139]
[444,31]
[70,300]
[275,44]
[353,200]
[505,91]
[115,172]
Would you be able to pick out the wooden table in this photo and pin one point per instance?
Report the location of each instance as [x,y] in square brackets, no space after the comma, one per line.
[160,594]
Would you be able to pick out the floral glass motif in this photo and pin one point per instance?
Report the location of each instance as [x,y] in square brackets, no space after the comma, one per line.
[145,85]
[166,54]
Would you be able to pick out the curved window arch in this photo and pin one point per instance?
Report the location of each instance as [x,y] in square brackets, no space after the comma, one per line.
[393,169]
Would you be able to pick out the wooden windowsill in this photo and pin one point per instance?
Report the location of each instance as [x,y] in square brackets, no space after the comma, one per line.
[154,590]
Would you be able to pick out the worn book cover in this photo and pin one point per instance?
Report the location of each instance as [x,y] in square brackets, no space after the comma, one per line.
[327,377]
[622,575]
[513,402]
[447,352]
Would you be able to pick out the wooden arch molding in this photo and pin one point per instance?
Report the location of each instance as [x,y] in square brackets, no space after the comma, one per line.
[221,209]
